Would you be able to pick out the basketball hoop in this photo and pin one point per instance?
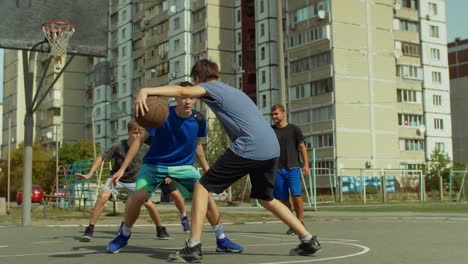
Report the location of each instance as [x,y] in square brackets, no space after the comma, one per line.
[57,34]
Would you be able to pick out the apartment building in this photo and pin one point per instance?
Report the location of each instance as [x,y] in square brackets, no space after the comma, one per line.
[368,81]
[458,62]
[60,116]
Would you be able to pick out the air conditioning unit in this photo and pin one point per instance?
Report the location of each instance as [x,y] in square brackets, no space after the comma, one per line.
[321,14]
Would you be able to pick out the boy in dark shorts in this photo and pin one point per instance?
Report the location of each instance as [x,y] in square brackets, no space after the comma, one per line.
[254,151]
[171,155]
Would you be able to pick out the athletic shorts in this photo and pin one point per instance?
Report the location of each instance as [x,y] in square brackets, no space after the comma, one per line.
[287,180]
[150,177]
[128,187]
[230,167]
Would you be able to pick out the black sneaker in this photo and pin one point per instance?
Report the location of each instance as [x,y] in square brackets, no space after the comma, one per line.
[161,233]
[306,248]
[187,254]
[290,232]
[88,234]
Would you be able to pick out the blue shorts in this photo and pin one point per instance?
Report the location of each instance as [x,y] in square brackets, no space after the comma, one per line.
[151,176]
[287,180]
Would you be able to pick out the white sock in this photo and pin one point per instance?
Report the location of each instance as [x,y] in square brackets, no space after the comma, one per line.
[219,230]
[182,215]
[193,242]
[305,238]
[126,231]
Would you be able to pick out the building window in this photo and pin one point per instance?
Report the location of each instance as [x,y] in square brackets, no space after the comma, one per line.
[262,7]
[435,54]
[408,120]
[199,15]
[313,115]
[98,129]
[406,25]
[176,23]
[408,96]
[413,4]
[437,99]
[123,33]
[238,15]
[124,15]
[309,11]
[264,101]
[239,38]
[123,51]
[439,146]
[409,72]
[123,125]
[177,66]
[262,30]
[411,145]
[176,44]
[410,49]
[436,77]
[433,9]
[320,141]
[263,76]
[438,123]
[434,31]
[310,62]
[262,53]
[124,88]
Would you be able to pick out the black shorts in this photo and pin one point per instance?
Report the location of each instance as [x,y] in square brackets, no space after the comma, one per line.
[166,189]
[230,167]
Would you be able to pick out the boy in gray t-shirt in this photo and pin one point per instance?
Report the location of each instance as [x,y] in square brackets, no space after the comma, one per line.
[254,151]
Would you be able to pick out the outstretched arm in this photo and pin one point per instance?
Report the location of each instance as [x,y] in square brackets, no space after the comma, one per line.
[97,163]
[166,91]
[132,151]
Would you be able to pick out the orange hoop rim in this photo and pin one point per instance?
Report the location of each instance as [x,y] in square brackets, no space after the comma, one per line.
[62,26]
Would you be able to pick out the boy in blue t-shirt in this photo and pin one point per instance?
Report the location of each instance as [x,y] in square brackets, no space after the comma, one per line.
[171,155]
[254,151]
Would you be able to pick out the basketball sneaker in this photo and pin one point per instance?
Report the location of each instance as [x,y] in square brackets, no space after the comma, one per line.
[185,224]
[225,245]
[88,234]
[118,243]
[187,254]
[161,233]
[306,248]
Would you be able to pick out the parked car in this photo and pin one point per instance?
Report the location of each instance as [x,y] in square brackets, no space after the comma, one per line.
[36,194]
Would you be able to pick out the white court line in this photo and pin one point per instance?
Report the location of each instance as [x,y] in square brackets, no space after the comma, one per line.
[3,246]
[363,251]
[46,242]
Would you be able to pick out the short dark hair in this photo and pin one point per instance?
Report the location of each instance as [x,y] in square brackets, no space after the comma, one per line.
[185,84]
[133,125]
[279,107]
[205,70]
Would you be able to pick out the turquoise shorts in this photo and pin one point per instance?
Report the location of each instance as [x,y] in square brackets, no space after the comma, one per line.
[151,176]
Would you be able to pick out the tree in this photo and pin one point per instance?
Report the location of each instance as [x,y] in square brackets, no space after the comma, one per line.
[217,141]
[43,169]
[81,150]
[440,165]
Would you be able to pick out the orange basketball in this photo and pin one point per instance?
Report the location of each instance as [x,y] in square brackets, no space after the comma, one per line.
[157,114]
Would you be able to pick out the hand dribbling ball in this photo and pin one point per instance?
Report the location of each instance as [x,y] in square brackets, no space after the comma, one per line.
[158,111]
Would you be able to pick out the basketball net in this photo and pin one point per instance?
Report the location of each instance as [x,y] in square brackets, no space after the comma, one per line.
[58,34]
